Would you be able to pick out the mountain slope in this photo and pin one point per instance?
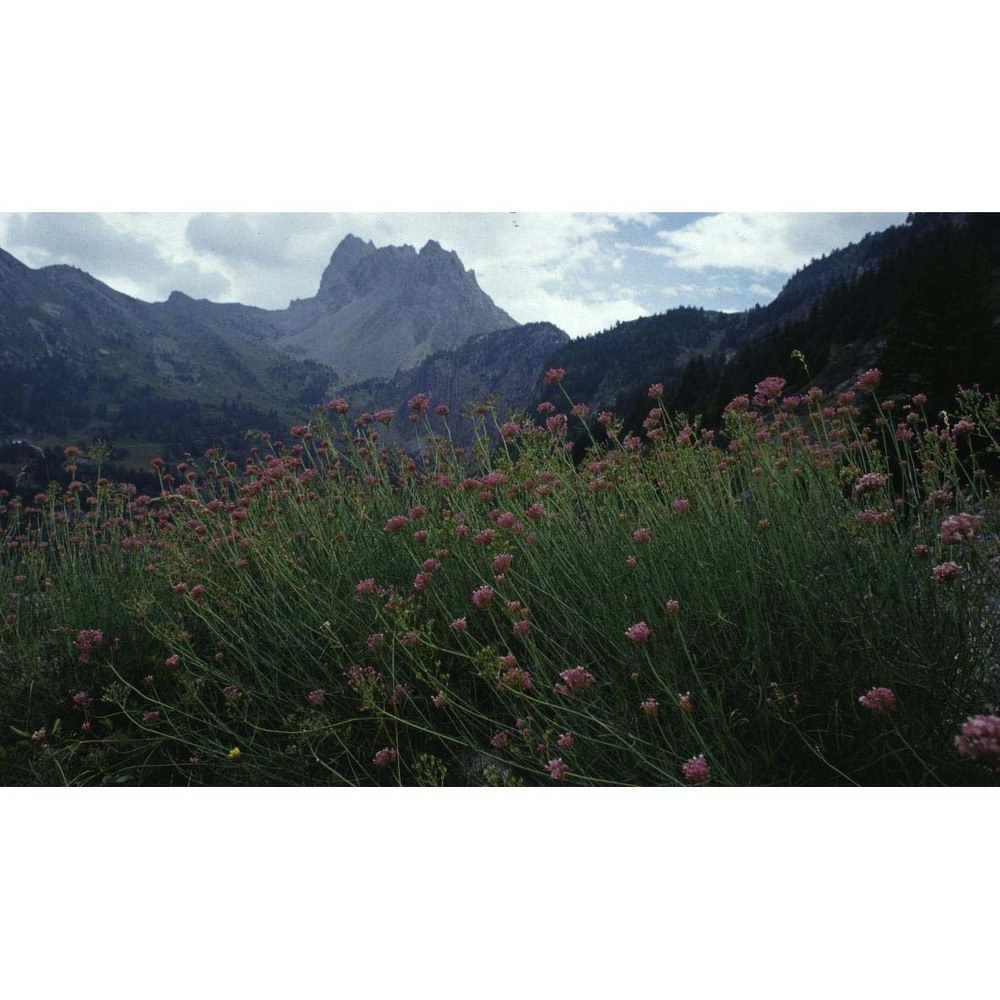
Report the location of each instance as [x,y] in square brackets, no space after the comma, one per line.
[505,365]
[80,361]
[921,300]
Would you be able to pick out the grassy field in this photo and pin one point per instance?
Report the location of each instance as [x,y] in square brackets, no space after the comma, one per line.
[805,598]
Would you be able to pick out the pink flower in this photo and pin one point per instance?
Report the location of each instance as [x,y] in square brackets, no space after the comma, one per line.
[880,700]
[684,701]
[554,376]
[580,410]
[516,678]
[384,416]
[650,707]
[395,523]
[384,757]
[438,700]
[682,505]
[230,691]
[574,680]
[522,627]
[557,769]
[673,607]
[458,625]
[500,740]
[979,739]
[768,390]
[502,562]
[870,481]
[173,661]
[316,697]
[368,586]
[960,528]
[375,640]
[946,571]
[564,741]
[696,770]
[150,716]
[482,596]
[639,632]
[82,700]
[655,390]
[869,380]
[86,641]
[338,405]
[642,535]
[631,562]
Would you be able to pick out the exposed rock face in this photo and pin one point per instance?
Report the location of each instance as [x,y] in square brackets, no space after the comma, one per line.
[382,310]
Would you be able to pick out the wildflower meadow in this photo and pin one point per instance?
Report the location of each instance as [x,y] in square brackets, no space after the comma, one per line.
[806,595]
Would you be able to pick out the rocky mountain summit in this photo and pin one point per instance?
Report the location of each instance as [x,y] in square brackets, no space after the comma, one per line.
[382,310]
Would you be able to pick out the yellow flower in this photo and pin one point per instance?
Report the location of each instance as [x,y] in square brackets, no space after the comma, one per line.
[234,754]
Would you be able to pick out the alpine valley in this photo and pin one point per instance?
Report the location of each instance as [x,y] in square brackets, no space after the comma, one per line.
[80,362]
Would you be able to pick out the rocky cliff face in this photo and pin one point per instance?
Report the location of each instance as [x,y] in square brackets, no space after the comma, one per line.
[382,310]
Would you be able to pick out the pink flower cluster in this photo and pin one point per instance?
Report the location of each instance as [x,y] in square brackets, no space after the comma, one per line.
[650,707]
[514,678]
[880,700]
[482,596]
[557,769]
[384,757]
[868,381]
[696,770]
[502,562]
[870,481]
[554,376]
[960,528]
[316,697]
[946,571]
[979,739]
[574,680]
[639,632]
[86,641]
[767,391]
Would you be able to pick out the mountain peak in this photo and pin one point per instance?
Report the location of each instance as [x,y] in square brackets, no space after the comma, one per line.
[350,251]
[383,308]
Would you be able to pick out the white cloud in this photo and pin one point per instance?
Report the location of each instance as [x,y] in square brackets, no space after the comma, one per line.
[764,243]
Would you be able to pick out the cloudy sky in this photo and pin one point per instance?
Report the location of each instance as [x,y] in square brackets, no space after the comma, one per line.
[581,271]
